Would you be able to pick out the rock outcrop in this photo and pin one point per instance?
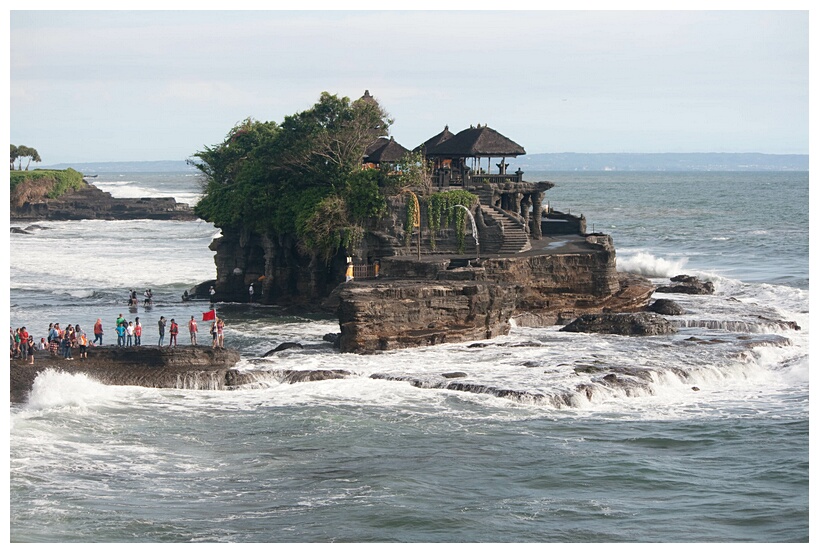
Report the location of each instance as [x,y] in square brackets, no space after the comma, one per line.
[685,284]
[92,203]
[628,324]
[150,366]
[383,315]
[444,304]
[666,307]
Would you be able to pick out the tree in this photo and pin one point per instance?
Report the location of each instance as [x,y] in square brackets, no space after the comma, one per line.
[297,177]
[20,152]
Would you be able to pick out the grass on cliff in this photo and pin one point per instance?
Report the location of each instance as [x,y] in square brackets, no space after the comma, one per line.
[28,186]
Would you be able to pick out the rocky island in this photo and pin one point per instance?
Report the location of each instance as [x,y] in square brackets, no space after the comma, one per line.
[408,248]
[63,195]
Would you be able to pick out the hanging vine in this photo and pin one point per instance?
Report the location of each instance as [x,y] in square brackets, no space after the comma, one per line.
[441,213]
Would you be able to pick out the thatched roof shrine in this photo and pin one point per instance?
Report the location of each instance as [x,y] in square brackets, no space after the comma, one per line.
[477,142]
[385,150]
[442,136]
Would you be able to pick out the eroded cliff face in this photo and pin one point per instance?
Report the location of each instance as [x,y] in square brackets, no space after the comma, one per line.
[280,273]
[434,303]
[92,203]
[383,315]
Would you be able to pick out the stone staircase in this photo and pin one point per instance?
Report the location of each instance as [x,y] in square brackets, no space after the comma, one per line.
[514,238]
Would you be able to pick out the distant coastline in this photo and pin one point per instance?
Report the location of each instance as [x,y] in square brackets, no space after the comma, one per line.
[567,161]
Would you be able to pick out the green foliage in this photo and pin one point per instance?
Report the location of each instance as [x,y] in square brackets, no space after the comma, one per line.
[20,152]
[364,199]
[441,212]
[412,173]
[303,176]
[54,182]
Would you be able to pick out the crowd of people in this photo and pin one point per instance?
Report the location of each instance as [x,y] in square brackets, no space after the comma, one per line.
[65,341]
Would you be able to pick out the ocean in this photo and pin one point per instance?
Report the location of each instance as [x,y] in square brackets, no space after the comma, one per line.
[710,444]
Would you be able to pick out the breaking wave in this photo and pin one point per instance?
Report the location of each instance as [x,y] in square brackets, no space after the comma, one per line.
[643,263]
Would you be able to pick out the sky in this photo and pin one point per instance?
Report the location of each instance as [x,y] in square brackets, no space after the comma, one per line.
[90,86]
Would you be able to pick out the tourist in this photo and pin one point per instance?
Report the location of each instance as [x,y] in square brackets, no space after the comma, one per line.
[349,275]
[83,346]
[161,330]
[213,334]
[98,331]
[121,335]
[137,332]
[174,331]
[66,343]
[22,337]
[129,333]
[250,291]
[77,333]
[120,319]
[192,327]
[31,349]
[54,339]
[220,333]
[212,293]
[43,344]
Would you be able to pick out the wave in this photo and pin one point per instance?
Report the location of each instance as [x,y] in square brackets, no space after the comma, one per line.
[646,264]
[56,389]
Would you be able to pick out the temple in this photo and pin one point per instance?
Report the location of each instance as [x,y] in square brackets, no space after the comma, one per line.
[510,213]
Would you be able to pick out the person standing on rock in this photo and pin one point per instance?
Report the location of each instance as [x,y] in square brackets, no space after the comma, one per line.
[220,333]
[83,346]
[174,332]
[31,349]
[98,331]
[192,327]
[250,291]
[137,332]
[23,338]
[161,330]
[121,335]
[129,333]
[212,294]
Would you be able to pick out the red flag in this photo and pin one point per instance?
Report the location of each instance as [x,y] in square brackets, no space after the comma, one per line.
[209,316]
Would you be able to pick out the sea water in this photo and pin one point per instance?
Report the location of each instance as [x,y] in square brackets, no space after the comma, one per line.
[709,442]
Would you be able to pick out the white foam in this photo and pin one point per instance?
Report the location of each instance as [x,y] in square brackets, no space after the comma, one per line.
[644,263]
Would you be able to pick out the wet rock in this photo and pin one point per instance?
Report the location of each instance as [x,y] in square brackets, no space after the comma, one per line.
[666,307]
[18,230]
[294,376]
[627,324]
[192,367]
[282,347]
[686,284]
[456,374]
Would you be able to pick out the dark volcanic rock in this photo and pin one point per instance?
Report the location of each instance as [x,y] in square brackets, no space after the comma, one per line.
[666,307]
[629,324]
[685,284]
[282,347]
[456,374]
[194,367]
[90,202]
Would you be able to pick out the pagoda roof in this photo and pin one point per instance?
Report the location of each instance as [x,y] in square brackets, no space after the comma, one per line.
[442,136]
[476,142]
[384,150]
